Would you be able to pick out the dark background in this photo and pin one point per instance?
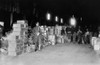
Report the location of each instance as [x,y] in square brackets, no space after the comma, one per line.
[89,10]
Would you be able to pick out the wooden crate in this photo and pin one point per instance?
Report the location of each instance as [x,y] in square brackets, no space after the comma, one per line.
[22,21]
[52,39]
[18,25]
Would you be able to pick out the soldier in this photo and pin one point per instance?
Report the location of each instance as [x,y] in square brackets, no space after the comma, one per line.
[74,37]
[87,37]
[79,34]
[1,32]
[62,31]
[35,34]
[40,41]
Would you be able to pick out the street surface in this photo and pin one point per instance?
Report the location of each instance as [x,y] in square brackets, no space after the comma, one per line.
[60,54]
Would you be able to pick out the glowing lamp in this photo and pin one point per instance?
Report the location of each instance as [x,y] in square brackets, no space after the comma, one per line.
[56,19]
[61,20]
[73,21]
[48,16]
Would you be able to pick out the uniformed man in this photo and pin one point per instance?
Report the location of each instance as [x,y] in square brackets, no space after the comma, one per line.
[87,36]
[79,34]
[35,34]
[1,32]
[74,37]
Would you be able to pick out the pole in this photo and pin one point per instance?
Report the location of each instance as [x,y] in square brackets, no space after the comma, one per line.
[11,19]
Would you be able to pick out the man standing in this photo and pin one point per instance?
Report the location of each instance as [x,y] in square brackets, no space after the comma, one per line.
[1,32]
[35,34]
[87,36]
[74,37]
[79,34]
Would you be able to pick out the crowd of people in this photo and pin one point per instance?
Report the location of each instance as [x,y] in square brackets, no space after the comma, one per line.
[41,36]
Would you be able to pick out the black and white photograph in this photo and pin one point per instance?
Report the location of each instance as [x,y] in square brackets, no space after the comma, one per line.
[49,32]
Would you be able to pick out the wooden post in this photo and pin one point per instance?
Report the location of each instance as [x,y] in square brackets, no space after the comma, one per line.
[11,18]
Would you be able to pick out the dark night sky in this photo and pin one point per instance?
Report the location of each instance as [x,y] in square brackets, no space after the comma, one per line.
[88,9]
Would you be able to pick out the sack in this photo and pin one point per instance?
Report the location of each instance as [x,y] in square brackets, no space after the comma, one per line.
[28,49]
[96,47]
[32,49]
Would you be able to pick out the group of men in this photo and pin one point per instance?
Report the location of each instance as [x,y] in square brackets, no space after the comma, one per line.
[80,37]
[40,35]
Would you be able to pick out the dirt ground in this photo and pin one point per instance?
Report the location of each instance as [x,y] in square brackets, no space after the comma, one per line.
[60,54]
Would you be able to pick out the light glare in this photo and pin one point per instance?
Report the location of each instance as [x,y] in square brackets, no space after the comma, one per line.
[73,21]
[48,16]
[61,20]
[56,19]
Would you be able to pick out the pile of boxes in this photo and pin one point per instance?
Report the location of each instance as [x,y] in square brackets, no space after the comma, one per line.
[51,36]
[95,42]
[18,41]
[17,38]
[59,37]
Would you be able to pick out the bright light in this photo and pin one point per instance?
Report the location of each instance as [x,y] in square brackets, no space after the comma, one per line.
[61,20]
[37,24]
[73,21]
[56,19]
[48,16]
[2,23]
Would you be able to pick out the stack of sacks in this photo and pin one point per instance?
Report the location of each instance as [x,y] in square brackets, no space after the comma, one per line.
[32,46]
[58,34]
[24,29]
[4,47]
[28,49]
[4,42]
[51,31]
[93,41]
[11,44]
[60,39]
[41,38]
[58,30]
[45,37]
[23,22]
[19,30]
[19,47]
[51,36]
[97,46]
[52,39]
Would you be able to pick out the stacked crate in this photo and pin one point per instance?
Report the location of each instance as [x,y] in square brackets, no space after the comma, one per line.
[60,38]
[23,37]
[51,36]
[97,46]
[11,44]
[17,38]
